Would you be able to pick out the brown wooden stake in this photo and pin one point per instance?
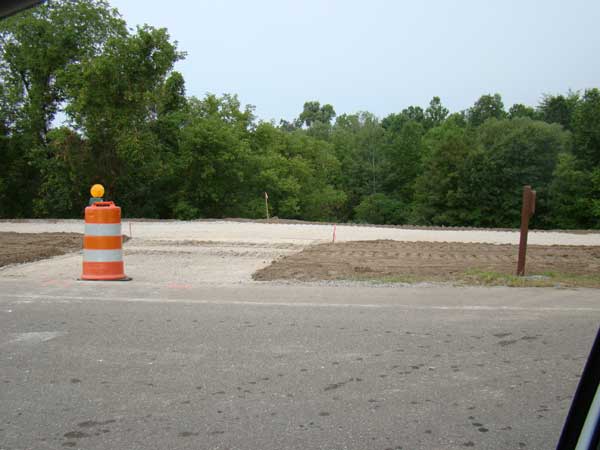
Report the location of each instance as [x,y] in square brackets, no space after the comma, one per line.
[527,211]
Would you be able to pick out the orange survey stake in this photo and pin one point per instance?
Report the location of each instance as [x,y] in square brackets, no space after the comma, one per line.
[103,243]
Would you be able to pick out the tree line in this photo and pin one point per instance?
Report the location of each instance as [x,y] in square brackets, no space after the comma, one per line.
[163,154]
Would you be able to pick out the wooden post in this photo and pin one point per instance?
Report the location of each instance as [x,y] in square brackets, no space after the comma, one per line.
[267,204]
[527,211]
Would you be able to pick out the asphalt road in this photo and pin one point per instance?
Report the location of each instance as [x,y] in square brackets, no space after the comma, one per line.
[253,366]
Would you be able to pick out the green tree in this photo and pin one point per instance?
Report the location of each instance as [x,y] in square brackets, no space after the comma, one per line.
[38,48]
[486,107]
[64,188]
[114,100]
[300,173]
[316,118]
[380,209]
[595,190]
[41,44]
[402,163]
[518,152]
[559,108]
[313,113]
[570,193]
[415,113]
[458,119]
[359,143]
[586,129]
[520,110]
[435,114]
[213,159]
[438,199]
[395,121]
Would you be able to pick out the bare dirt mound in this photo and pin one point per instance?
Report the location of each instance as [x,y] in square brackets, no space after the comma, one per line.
[26,247]
[426,260]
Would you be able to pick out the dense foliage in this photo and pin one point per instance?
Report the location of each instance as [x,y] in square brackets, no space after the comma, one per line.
[162,154]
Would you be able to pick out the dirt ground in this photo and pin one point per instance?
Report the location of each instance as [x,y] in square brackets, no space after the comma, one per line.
[381,260]
[394,260]
[18,248]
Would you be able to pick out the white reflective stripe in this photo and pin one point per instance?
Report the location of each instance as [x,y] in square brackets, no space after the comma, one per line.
[103,229]
[103,255]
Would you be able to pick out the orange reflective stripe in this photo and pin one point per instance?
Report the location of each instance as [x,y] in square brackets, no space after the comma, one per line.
[103,271]
[102,242]
[103,215]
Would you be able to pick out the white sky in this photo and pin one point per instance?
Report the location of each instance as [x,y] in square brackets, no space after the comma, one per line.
[378,55]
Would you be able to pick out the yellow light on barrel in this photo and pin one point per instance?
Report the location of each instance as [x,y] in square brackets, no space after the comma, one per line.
[97,191]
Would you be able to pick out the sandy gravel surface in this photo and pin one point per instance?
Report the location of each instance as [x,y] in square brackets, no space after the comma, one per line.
[302,234]
[176,265]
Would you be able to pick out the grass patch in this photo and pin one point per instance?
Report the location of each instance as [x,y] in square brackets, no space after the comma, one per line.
[400,279]
[476,277]
[546,279]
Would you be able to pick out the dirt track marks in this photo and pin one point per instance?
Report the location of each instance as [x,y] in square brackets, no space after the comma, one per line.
[443,259]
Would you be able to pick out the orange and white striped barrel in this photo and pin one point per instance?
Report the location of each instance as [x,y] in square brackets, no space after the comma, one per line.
[103,243]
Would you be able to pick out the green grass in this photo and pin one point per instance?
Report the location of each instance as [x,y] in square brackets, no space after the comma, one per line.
[475,277]
[405,279]
[546,279]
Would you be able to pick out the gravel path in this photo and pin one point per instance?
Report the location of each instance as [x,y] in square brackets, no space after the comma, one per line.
[301,234]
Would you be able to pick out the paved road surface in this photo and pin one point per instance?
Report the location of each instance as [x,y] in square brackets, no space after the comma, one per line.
[275,366]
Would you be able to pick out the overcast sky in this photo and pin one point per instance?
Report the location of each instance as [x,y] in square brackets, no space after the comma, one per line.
[377,55]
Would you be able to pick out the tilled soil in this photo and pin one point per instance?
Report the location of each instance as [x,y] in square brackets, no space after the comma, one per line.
[437,260]
[18,248]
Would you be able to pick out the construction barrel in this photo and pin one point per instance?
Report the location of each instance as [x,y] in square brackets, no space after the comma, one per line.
[103,243]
